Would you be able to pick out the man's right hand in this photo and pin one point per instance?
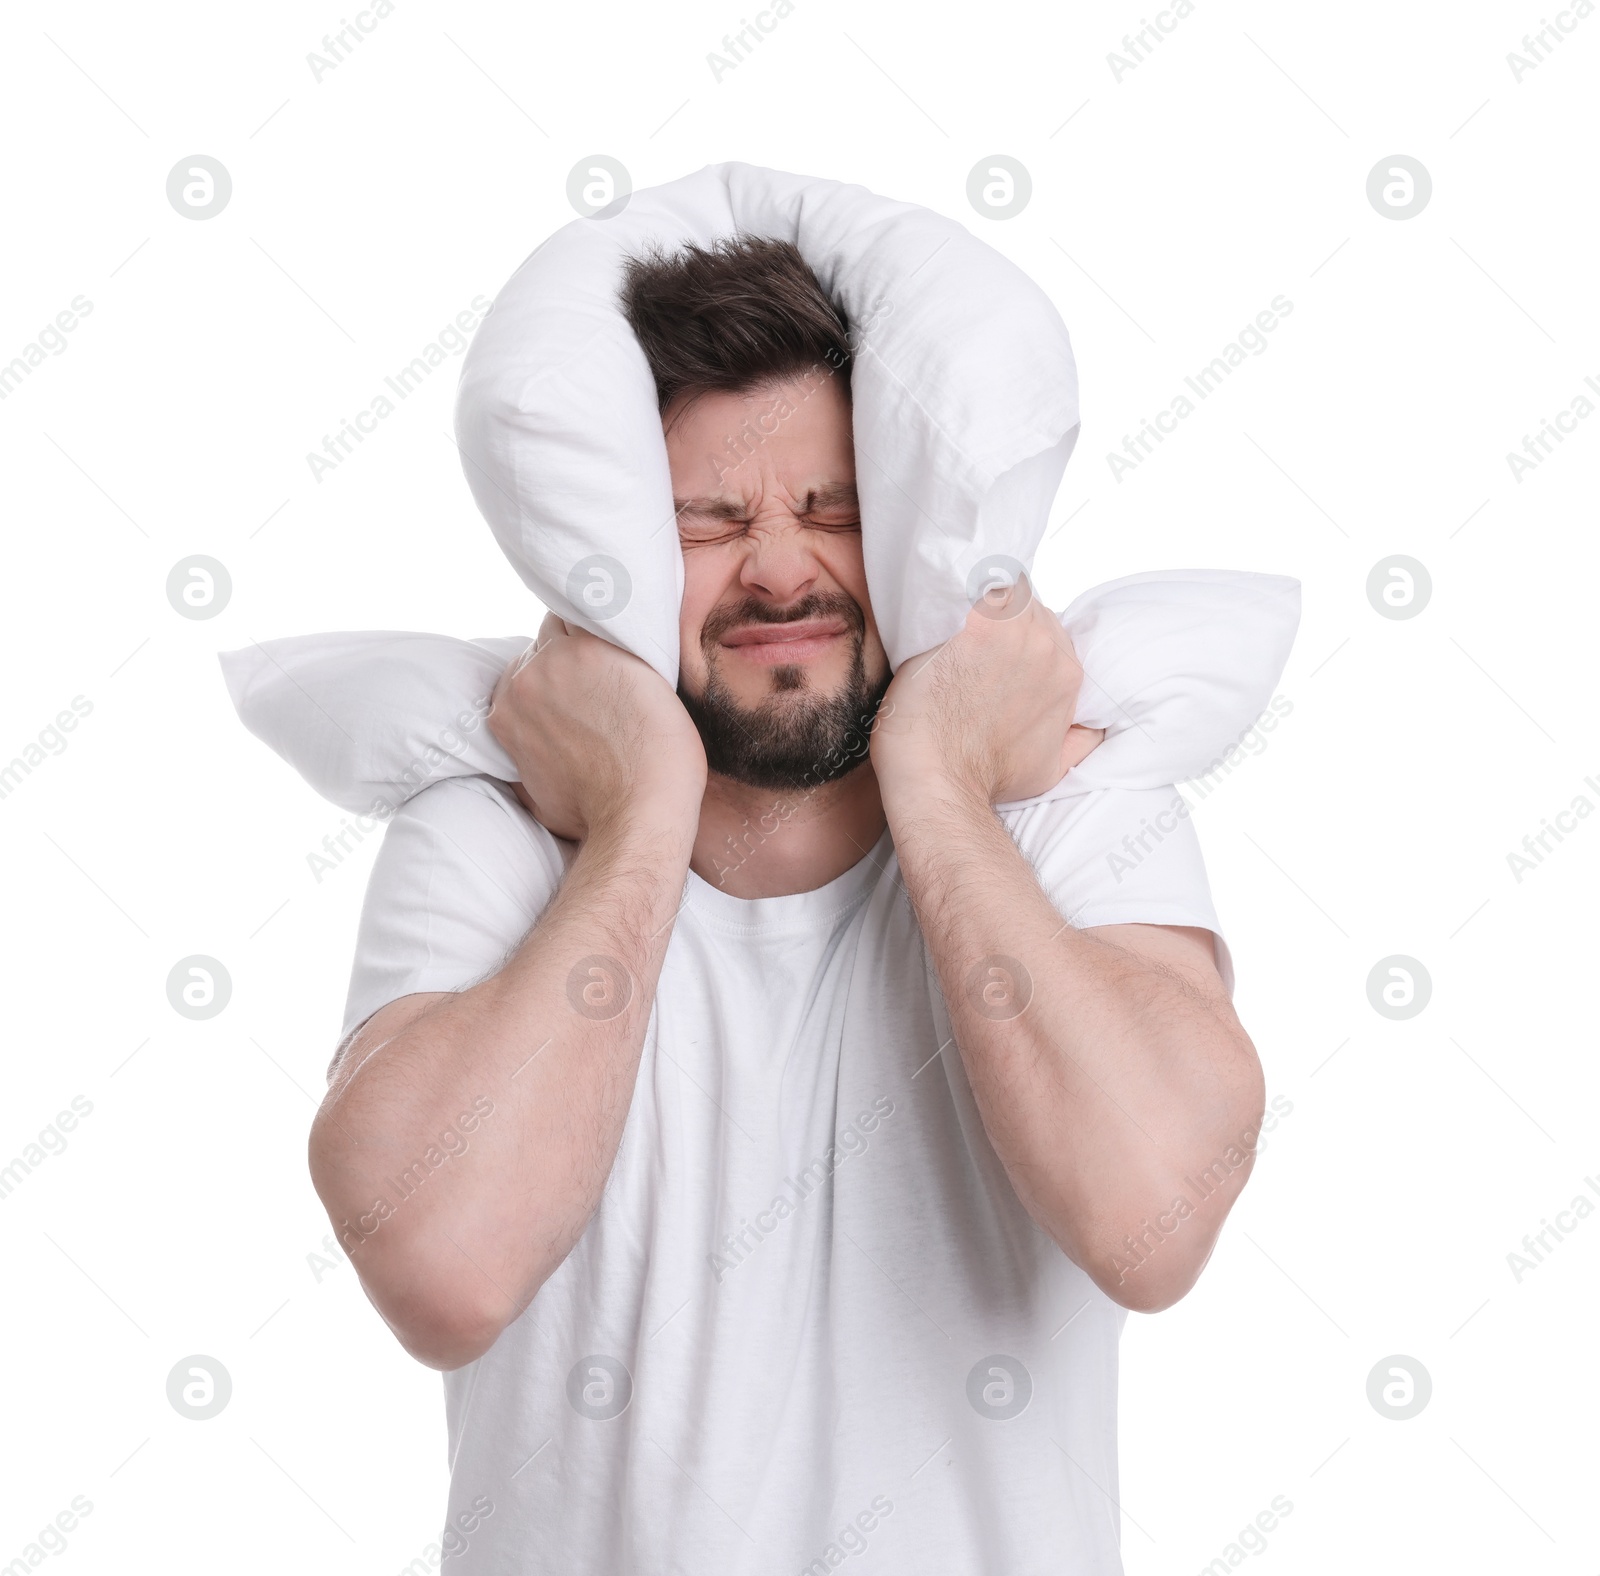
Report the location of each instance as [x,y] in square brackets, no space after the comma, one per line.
[597,734]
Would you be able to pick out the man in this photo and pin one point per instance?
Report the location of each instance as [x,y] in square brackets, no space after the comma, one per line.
[779,1194]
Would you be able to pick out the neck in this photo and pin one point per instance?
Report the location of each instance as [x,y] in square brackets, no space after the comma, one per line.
[771,842]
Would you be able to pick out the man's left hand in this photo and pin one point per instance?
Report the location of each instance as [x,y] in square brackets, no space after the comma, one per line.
[988,713]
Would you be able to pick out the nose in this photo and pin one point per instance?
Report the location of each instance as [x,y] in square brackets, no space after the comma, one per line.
[777,563]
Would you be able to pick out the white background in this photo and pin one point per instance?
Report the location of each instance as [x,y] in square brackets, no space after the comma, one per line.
[1168,208]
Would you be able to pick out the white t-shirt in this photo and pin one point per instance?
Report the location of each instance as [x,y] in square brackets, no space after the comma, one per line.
[809,1326]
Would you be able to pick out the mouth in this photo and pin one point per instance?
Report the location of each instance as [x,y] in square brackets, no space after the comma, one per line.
[769,645]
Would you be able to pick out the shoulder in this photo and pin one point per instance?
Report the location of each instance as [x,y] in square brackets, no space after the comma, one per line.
[1098,819]
[471,818]
[472,800]
[463,874]
[465,850]
[1117,856]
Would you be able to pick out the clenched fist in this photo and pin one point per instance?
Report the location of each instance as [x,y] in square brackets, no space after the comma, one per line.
[598,735]
[990,712]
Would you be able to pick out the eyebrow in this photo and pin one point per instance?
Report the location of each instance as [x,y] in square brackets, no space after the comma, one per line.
[833,496]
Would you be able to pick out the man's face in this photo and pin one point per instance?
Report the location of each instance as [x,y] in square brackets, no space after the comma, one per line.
[780,663]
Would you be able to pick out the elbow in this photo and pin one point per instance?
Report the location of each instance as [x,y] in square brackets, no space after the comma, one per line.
[439,1317]
[1143,1275]
[1158,1262]
[443,1337]
[1146,1262]
[441,1306]
[1159,1278]
[1151,1289]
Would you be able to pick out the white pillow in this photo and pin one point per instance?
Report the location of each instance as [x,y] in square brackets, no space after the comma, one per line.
[965,406]
[1178,665]
[965,412]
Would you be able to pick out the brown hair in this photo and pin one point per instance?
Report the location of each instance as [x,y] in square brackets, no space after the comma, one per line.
[744,312]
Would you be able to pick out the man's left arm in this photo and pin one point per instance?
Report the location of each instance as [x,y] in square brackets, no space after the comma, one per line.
[1114,1080]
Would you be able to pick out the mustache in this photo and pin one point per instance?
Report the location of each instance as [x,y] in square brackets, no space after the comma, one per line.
[819,604]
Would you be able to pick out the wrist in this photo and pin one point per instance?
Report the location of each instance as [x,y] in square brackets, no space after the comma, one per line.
[926,787]
[657,826]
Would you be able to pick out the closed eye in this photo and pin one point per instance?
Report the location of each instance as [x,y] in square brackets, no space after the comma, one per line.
[710,522]
[700,532]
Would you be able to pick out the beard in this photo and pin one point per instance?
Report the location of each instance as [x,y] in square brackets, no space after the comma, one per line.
[795,737]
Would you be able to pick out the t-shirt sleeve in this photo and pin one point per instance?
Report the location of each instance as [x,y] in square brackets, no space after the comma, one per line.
[461,876]
[1121,856]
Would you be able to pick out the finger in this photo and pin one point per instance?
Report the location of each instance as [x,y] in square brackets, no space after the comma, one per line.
[551,629]
[999,604]
[1079,742]
[514,667]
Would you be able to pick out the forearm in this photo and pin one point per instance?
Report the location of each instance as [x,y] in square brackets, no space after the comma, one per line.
[461,1158]
[1107,1081]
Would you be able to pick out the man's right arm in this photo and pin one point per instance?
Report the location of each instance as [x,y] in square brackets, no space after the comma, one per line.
[467,1136]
